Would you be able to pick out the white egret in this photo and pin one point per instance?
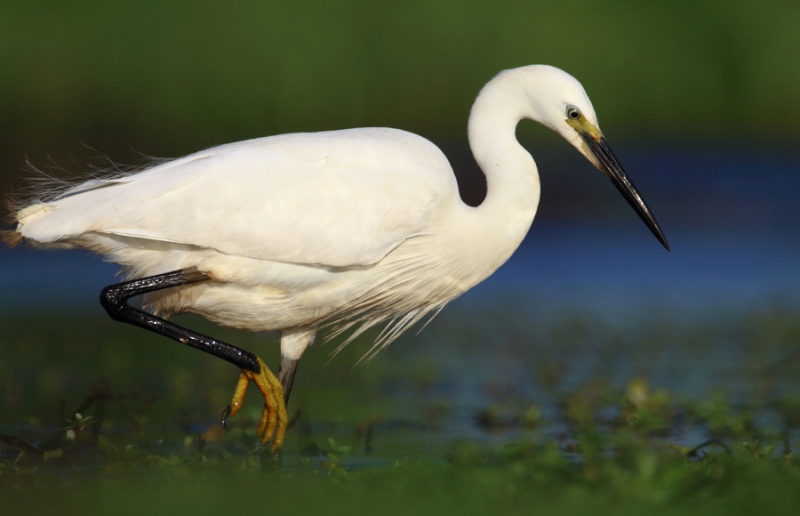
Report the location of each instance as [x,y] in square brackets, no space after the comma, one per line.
[297,232]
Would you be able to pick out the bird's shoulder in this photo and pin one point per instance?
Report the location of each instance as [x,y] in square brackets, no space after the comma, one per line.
[371,151]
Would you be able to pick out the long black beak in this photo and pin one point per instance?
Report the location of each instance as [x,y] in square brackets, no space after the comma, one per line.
[607,164]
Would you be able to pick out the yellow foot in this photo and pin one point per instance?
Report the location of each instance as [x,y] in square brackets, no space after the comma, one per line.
[273,417]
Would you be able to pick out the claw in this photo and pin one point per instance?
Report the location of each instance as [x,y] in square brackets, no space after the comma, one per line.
[272,424]
[223,418]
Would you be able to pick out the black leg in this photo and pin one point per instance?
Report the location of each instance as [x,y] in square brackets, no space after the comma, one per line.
[286,376]
[114,299]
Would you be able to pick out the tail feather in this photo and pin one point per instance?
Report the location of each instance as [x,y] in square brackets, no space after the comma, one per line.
[10,238]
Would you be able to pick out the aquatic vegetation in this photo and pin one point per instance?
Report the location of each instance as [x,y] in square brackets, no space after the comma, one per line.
[601,431]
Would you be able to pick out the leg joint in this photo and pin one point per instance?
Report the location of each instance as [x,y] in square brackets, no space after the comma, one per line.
[112,301]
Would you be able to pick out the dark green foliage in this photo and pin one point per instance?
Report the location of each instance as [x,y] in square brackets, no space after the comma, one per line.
[170,78]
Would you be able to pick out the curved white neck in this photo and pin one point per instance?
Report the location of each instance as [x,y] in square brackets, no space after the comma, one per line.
[512,179]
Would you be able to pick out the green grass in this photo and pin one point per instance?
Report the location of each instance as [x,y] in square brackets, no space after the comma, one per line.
[515,479]
[538,480]
[607,440]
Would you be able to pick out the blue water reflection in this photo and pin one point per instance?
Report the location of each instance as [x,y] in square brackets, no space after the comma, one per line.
[606,272]
[731,218]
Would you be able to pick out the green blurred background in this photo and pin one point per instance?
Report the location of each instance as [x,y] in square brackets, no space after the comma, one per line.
[169,78]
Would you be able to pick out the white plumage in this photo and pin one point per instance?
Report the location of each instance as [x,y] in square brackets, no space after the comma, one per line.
[286,198]
[302,230]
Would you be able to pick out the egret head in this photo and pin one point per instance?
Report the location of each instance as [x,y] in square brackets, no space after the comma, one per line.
[558,101]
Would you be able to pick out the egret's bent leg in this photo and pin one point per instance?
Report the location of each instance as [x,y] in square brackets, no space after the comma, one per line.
[293,343]
[114,299]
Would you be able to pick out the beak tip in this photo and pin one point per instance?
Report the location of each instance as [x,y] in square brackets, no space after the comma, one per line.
[663,240]
[656,230]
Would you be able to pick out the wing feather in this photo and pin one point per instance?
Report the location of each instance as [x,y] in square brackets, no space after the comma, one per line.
[337,198]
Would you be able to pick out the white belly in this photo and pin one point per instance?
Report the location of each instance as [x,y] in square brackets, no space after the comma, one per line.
[261,295]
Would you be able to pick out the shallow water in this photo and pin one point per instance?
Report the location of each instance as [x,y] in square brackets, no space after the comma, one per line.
[608,273]
[584,304]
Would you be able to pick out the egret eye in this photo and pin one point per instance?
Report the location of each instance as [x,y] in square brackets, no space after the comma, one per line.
[573,113]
